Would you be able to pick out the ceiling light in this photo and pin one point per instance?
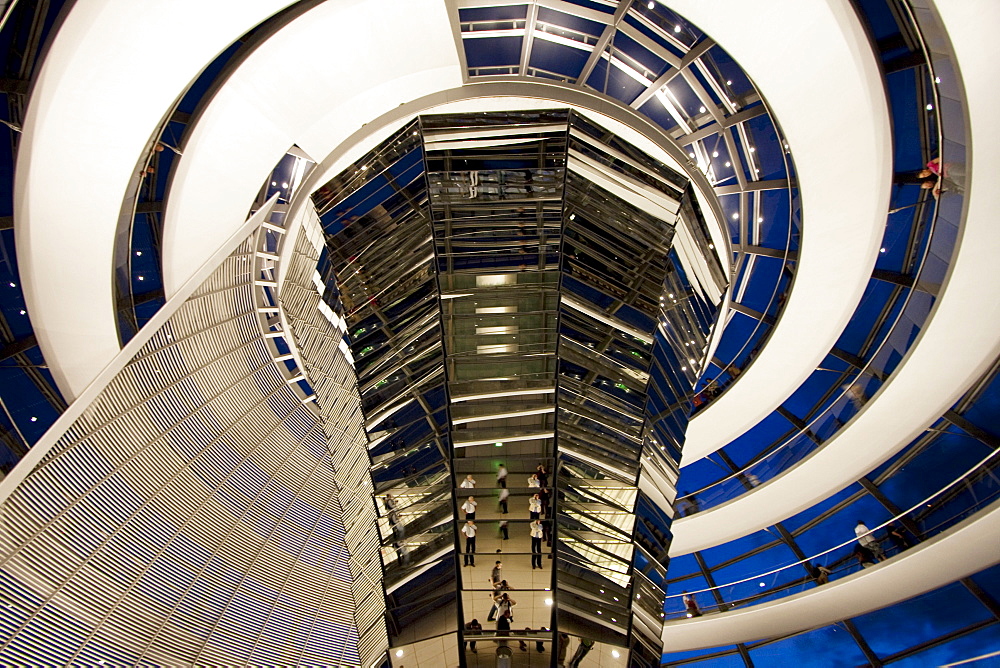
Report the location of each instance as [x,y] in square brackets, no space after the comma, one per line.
[930,107]
[34,419]
[729,83]
[138,253]
[736,216]
[728,164]
[701,110]
[614,652]
[651,4]
[23,312]
[760,219]
[284,185]
[881,250]
[691,155]
[752,149]
[141,278]
[13,284]
[548,601]
[399,652]
[677,28]
[715,154]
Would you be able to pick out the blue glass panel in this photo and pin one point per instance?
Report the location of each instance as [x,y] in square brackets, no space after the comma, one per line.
[839,527]
[911,622]
[984,641]
[828,647]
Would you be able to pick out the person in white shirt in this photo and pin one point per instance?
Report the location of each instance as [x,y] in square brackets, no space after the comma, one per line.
[502,476]
[470,543]
[535,507]
[868,540]
[504,494]
[536,544]
[470,508]
[533,481]
[469,482]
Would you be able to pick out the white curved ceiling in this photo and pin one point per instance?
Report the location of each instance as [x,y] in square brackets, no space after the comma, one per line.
[957,346]
[98,99]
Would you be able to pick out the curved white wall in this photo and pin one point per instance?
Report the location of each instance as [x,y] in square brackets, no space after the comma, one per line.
[812,62]
[918,571]
[98,98]
[959,343]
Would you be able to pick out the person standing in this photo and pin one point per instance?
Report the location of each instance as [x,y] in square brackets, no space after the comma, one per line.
[503,530]
[867,540]
[539,645]
[536,544]
[470,508]
[534,507]
[563,648]
[473,628]
[898,538]
[691,605]
[503,629]
[496,574]
[504,495]
[470,543]
[505,605]
[502,476]
[586,644]
[543,475]
[545,497]
[469,482]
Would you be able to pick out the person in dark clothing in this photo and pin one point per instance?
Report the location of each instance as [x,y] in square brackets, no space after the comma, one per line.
[898,537]
[864,556]
[503,628]
[543,475]
[473,628]
[586,644]
[539,645]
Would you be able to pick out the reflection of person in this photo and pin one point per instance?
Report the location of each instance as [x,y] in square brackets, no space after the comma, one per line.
[586,644]
[536,544]
[533,481]
[504,535]
[502,476]
[503,628]
[504,495]
[473,629]
[563,648]
[469,507]
[539,645]
[470,543]
[543,475]
[469,482]
[495,574]
[534,507]
[691,605]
